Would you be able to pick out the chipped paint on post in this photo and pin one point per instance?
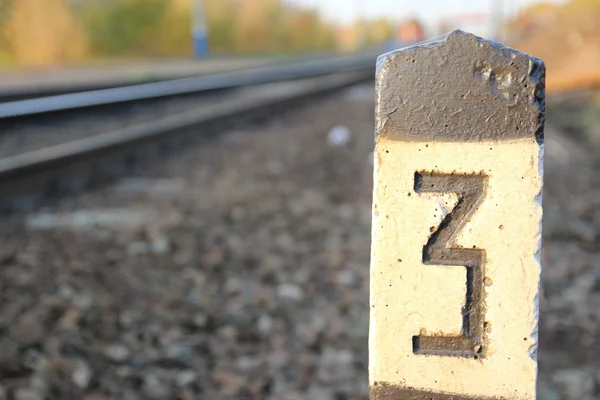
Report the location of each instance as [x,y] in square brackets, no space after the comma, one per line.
[457,212]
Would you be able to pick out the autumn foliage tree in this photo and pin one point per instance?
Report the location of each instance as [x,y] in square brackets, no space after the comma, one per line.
[115,27]
[42,32]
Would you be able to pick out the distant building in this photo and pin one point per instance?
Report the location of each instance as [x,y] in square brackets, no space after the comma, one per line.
[406,33]
[409,32]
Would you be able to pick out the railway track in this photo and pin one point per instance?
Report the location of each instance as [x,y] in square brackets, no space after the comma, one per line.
[52,83]
[31,177]
[176,87]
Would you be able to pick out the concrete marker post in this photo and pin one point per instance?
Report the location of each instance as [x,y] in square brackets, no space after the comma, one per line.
[456,241]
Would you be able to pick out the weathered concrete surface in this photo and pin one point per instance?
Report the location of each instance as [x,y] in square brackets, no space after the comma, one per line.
[456,222]
[462,88]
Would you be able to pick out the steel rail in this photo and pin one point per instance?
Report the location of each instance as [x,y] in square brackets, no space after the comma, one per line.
[182,86]
[27,175]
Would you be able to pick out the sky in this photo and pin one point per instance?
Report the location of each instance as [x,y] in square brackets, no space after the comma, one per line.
[427,11]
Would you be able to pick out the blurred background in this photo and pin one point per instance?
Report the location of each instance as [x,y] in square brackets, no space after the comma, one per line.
[239,268]
[46,35]
[36,33]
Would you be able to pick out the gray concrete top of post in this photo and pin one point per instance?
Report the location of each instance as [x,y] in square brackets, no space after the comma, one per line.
[460,88]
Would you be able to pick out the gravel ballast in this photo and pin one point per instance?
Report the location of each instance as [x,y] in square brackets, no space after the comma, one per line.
[240,270]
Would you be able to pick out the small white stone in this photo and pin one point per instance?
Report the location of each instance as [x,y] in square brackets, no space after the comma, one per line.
[339,136]
[265,323]
[200,319]
[82,375]
[160,245]
[347,277]
[117,352]
[185,378]
[290,291]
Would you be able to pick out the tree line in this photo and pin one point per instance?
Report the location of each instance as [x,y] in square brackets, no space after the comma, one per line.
[49,32]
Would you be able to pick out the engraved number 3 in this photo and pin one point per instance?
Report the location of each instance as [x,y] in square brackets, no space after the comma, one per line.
[439,251]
